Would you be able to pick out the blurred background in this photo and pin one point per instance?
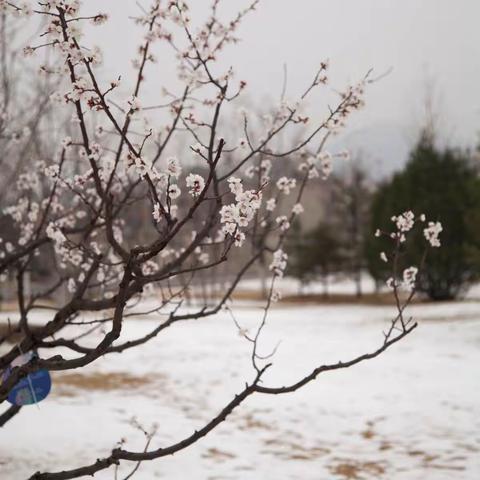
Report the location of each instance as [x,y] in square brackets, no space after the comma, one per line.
[413,414]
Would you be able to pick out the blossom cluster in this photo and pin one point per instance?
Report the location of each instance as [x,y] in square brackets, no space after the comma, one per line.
[320,164]
[286,185]
[404,223]
[239,214]
[279,263]
[432,233]
[263,170]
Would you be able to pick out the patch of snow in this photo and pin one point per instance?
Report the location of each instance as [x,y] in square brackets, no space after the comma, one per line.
[411,414]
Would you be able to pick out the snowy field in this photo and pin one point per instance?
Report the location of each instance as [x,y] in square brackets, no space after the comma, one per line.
[411,414]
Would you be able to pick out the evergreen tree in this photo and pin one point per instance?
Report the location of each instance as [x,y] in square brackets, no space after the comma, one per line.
[445,186]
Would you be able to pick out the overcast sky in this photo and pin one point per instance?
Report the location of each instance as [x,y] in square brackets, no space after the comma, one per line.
[423,42]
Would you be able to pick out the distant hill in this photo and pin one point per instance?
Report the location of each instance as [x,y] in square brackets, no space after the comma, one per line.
[383,148]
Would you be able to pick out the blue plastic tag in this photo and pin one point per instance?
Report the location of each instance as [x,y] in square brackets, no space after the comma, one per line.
[29,390]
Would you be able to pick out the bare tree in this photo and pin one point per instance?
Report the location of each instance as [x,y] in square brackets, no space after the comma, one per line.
[25,110]
[74,207]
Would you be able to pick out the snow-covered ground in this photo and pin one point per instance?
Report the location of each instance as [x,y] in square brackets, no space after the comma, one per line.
[411,414]
[337,284]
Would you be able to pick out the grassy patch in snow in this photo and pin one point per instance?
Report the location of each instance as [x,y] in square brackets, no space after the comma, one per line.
[69,384]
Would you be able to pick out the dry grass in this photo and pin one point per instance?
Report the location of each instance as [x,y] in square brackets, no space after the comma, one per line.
[14,338]
[386,298]
[352,470]
[249,422]
[12,305]
[338,298]
[218,455]
[68,384]
[290,450]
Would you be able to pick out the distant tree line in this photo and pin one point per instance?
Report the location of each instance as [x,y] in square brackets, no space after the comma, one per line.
[442,183]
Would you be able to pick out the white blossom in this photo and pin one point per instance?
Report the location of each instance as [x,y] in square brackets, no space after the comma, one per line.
[297,209]
[71,285]
[239,238]
[276,296]
[235,185]
[173,191]
[409,278]
[404,221]
[271,204]
[203,258]
[157,212]
[67,142]
[134,104]
[195,183]
[95,151]
[285,184]
[325,159]
[310,167]
[173,167]
[279,263]
[53,232]
[432,232]
[283,222]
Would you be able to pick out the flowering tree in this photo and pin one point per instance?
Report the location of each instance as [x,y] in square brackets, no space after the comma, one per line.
[23,111]
[73,209]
